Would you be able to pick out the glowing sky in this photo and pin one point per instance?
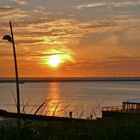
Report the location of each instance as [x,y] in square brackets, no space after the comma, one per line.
[93,37]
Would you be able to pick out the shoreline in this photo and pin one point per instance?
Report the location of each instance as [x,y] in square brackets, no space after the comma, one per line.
[73,79]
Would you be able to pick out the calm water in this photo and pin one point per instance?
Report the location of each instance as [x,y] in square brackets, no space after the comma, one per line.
[82,98]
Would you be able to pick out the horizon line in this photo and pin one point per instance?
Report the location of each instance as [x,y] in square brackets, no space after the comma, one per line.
[70,79]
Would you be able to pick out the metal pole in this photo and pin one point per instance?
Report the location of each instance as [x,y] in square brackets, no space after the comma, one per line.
[16,72]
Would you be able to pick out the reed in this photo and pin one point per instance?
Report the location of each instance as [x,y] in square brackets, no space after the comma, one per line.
[127,128]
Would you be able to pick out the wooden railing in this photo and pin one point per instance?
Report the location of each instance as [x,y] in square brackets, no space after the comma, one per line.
[112,108]
[120,109]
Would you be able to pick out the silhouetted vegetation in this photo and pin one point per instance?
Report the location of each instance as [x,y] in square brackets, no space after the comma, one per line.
[126,128]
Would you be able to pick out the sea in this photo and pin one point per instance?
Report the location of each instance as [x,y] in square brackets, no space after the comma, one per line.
[83,99]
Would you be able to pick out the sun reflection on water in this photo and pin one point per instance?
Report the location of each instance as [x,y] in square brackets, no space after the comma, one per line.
[54,105]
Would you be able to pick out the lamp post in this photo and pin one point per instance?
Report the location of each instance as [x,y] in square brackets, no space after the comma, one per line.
[10,38]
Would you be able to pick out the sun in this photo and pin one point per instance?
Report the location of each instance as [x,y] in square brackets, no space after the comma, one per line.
[54,61]
[54,58]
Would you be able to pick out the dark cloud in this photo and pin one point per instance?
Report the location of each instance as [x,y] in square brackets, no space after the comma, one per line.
[109,4]
[6,9]
[44,54]
[20,2]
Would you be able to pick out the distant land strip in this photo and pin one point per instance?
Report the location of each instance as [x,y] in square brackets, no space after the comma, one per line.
[71,79]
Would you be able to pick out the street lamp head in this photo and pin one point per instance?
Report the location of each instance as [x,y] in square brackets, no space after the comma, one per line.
[7,37]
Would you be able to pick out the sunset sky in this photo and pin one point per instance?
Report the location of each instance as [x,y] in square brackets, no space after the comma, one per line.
[71,38]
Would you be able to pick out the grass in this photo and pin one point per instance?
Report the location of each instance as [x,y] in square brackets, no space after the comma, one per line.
[126,128]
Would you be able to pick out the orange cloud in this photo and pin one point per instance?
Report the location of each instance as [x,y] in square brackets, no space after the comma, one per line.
[9,13]
[96,46]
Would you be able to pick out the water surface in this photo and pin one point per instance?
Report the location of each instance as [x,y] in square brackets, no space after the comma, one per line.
[82,98]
